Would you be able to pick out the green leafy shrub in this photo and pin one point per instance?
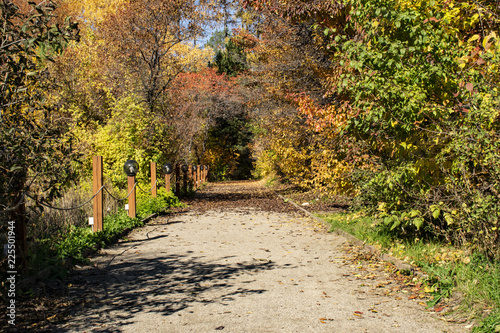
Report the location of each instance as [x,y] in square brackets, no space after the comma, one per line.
[71,242]
[148,205]
[428,108]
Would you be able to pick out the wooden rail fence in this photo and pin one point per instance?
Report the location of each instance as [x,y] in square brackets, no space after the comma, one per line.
[192,177]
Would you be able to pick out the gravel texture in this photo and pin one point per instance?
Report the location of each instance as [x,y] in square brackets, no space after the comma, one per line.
[239,259]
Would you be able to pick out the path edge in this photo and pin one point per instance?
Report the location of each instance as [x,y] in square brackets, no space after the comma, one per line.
[399,264]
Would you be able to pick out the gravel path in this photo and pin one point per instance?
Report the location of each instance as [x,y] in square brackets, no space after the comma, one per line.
[238,266]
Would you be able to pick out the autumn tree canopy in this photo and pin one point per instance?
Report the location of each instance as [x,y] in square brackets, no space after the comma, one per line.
[148,36]
[33,131]
[393,103]
[401,99]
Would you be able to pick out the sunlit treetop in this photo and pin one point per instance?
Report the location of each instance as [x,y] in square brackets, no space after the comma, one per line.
[91,11]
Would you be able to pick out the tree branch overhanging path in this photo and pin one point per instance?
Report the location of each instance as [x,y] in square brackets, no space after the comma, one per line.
[239,260]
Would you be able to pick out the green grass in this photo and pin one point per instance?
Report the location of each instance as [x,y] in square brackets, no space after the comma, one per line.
[450,270]
[480,283]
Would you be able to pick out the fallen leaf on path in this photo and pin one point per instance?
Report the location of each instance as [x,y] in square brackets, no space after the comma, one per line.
[429,289]
[324,320]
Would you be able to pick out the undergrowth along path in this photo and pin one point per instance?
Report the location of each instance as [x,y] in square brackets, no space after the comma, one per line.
[239,259]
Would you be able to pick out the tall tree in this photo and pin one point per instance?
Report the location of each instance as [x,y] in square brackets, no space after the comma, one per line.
[232,60]
[146,33]
[198,99]
[30,127]
[227,11]
[34,146]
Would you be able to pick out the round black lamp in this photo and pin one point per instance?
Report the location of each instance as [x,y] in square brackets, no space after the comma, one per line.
[131,168]
[184,168]
[168,169]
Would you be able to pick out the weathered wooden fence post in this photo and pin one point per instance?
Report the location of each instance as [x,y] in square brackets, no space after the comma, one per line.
[167,182]
[190,178]
[97,204]
[198,174]
[193,176]
[167,170]
[131,197]
[153,179]
[131,169]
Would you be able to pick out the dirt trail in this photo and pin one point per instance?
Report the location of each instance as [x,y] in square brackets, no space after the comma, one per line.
[238,260]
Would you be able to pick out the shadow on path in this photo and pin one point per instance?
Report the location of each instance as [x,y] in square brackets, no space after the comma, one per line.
[165,284]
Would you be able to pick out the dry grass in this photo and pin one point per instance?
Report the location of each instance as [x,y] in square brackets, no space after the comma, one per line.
[47,221]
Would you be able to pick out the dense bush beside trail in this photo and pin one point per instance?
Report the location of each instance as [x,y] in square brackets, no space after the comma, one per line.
[397,103]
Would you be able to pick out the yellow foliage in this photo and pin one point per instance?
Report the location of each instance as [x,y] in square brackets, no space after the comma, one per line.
[91,11]
[191,57]
[117,141]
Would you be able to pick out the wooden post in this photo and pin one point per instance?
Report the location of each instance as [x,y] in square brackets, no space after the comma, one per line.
[195,180]
[198,175]
[177,179]
[206,173]
[153,179]
[193,177]
[97,203]
[167,182]
[131,197]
